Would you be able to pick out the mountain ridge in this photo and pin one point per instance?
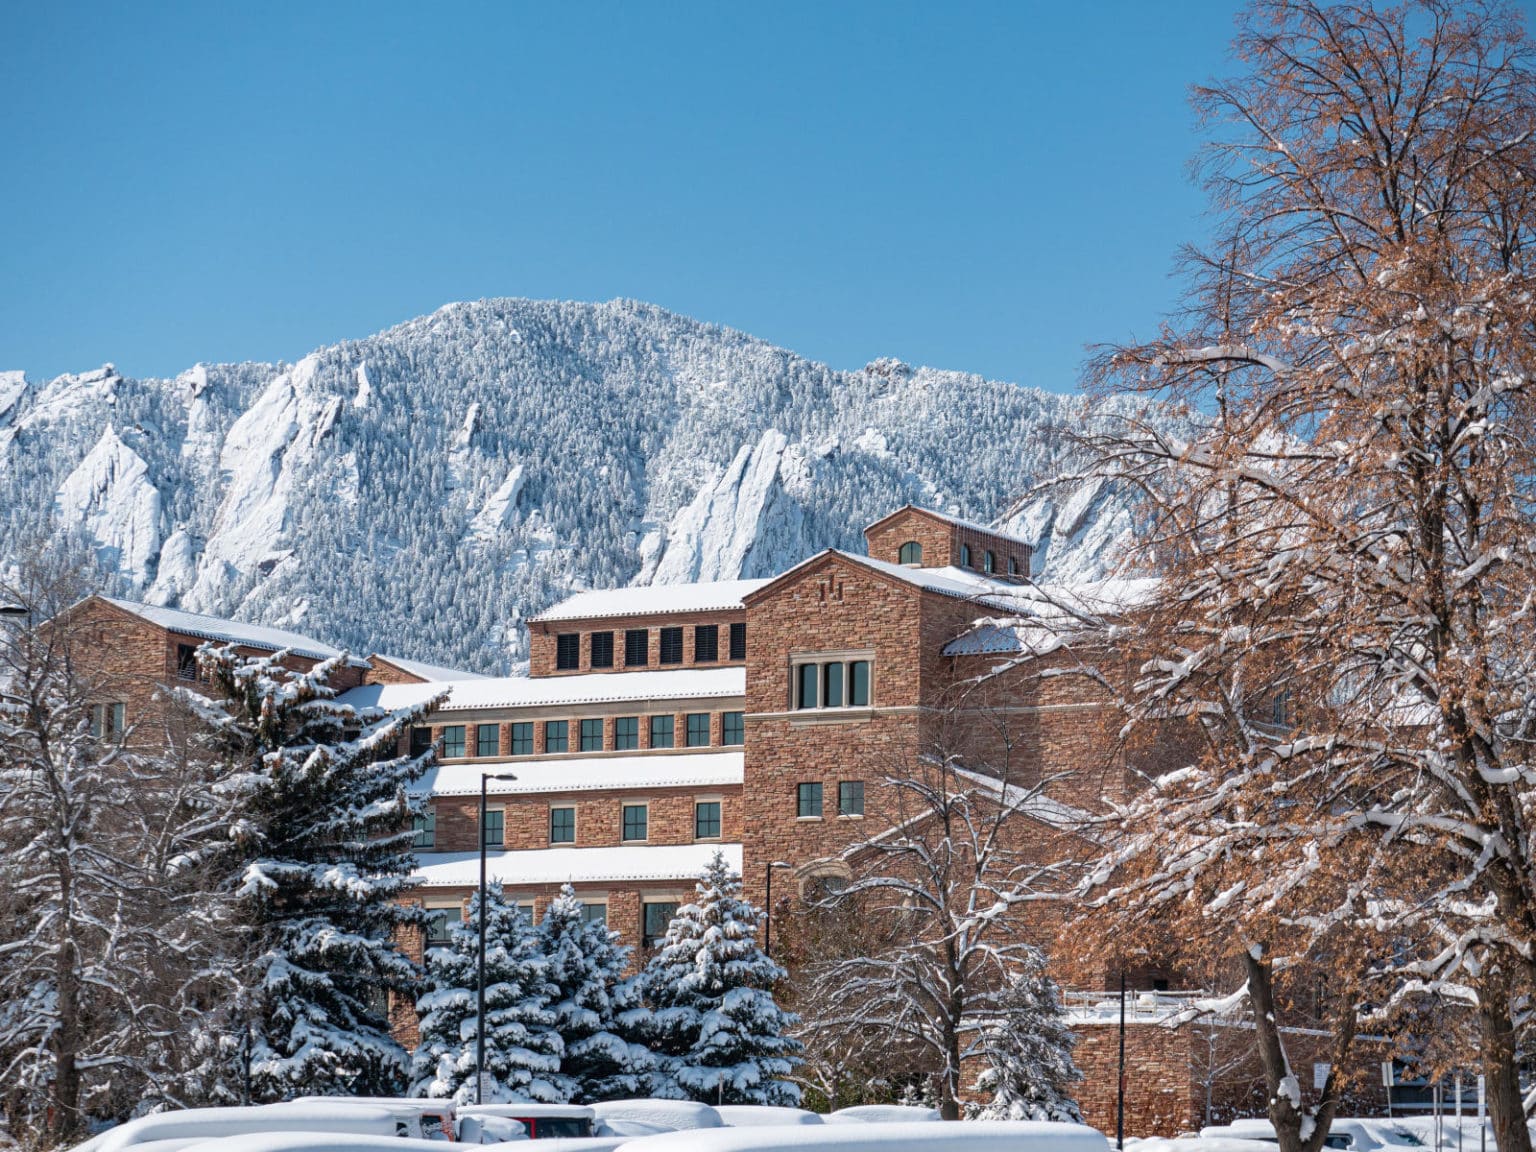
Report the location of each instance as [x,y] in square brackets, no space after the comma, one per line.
[424,490]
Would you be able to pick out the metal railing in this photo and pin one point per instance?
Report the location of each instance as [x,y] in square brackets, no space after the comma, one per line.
[1140,1006]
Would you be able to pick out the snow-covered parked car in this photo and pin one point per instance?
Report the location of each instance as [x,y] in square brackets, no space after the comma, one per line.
[194,1125]
[920,1136]
[883,1114]
[416,1118]
[541,1121]
[667,1115]
[763,1115]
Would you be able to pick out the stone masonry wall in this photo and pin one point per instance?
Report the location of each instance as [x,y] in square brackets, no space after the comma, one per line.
[542,642]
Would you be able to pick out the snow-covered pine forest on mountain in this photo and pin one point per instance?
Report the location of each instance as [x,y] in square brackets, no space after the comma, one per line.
[424,490]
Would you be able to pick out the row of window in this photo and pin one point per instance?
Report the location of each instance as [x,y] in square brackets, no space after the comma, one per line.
[808,799]
[586,735]
[832,684]
[655,916]
[634,824]
[912,553]
[637,647]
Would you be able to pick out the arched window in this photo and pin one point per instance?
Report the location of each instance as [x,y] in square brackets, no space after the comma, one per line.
[911,552]
[965,555]
[988,562]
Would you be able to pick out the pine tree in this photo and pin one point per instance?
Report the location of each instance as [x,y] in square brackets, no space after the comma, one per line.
[1028,1054]
[522,1048]
[718,1034]
[586,967]
[325,827]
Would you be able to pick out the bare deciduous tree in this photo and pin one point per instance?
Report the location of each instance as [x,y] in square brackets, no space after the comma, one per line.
[1349,543]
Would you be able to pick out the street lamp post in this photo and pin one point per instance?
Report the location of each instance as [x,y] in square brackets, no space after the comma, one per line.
[768,911]
[480,957]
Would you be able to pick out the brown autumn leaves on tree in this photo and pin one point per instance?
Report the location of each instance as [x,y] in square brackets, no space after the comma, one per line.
[1350,541]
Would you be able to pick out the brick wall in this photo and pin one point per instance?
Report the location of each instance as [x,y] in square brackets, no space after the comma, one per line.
[1163,1095]
[670,819]
[941,539]
[542,641]
[833,605]
[384,671]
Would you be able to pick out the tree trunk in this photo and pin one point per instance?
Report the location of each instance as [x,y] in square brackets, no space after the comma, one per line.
[1506,1109]
[1280,1081]
[65,1123]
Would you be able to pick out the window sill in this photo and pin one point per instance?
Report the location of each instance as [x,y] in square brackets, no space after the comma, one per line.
[708,839]
[850,815]
[809,819]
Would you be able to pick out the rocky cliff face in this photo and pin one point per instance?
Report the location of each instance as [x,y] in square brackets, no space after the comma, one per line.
[425,490]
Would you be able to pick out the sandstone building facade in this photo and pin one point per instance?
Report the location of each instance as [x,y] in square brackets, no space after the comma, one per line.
[758,718]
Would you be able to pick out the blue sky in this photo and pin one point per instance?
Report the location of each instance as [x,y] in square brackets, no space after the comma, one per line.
[985,187]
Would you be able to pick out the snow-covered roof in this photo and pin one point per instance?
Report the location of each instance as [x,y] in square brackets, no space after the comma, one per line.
[653,600]
[524,691]
[959,583]
[584,774]
[572,865]
[232,631]
[1041,616]
[1041,807]
[429,672]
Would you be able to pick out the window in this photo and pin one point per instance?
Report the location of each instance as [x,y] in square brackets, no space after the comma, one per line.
[637,647]
[636,818]
[988,561]
[592,735]
[562,825]
[850,798]
[568,650]
[911,552]
[557,736]
[186,662]
[739,640]
[494,832]
[626,733]
[1013,565]
[601,645]
[661,731]
[808,800]
[733,728]
[424,824]
[858,684]
[1281,709]
[108,720]
[657,917]
[421,741]
[965,555]
[671,646]
[522,739]
[706,820]
[453,741]
[593,912]
[487,739]
[440,922]
[706,643]
[698,729]
[805,689]
[832,685]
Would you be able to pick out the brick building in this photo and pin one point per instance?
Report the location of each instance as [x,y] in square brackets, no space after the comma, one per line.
[658,725]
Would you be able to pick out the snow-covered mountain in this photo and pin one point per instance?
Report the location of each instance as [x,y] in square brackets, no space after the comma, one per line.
[426,489]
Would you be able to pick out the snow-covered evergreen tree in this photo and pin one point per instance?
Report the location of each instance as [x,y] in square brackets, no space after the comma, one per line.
[1028,1054]
[522,1047]
[718,1034]
[586,969]
[325,824]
